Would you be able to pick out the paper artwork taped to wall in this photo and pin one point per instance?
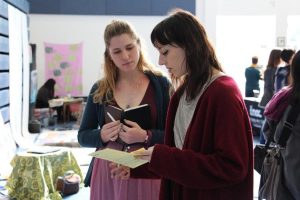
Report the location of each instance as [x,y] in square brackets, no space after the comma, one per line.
[64,64]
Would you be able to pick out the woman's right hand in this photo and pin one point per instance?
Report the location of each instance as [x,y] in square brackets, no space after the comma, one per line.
[110,131]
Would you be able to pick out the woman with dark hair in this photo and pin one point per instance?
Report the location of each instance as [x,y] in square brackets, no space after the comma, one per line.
[207,153]
[269,76]
[295,73]
[45,93]
[278,109]
[269,85]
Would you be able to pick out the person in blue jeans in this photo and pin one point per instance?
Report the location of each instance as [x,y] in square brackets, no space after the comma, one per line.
[277,112]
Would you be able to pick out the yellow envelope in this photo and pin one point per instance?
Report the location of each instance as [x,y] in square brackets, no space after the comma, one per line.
[119,157]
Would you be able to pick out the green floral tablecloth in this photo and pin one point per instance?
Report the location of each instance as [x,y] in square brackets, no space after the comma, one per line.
[34,175]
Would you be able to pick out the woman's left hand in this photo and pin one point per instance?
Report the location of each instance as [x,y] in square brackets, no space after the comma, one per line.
[119,171]
[132,133]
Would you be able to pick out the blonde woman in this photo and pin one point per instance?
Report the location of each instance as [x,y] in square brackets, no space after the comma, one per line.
[129,80]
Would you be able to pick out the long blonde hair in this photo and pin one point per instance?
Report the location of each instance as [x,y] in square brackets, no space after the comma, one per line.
[107,85]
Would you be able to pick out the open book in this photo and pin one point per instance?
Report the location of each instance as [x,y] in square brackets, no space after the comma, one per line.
[139,114]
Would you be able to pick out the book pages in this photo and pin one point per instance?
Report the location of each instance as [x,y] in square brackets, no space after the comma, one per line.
[119,157]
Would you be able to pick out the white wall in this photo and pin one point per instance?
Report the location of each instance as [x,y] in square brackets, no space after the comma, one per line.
[89,30]
[207,10]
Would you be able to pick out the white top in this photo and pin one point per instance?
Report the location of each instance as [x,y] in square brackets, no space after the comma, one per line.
[185,112]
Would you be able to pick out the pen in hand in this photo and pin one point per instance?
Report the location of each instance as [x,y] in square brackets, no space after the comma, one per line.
[110,117]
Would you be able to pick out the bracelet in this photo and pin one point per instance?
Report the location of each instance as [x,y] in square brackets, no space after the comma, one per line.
[146,139]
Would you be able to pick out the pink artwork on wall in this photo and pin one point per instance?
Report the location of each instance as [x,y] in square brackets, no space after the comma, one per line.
[64,64]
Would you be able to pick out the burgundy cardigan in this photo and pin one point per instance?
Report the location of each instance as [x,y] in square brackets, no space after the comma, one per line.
[216,162]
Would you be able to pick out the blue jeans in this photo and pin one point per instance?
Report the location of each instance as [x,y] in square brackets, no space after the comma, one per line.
[261,134]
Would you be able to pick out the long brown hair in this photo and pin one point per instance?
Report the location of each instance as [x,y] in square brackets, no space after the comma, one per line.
[107,85]
[295,73]
[184,30]
[274,58]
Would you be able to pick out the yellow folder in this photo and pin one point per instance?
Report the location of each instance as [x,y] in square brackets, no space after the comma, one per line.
[119,157]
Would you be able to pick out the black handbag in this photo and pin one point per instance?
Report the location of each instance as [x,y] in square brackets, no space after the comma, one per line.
[260,152]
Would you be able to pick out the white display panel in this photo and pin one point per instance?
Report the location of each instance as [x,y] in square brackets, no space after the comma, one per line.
[19,73]
[26,75]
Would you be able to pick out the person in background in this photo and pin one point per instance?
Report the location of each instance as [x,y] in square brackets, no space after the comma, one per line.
[45,93]
[252,75]
[282,75]
[129,80]
[269,76]
[269,80]
[274,112]
[206,154]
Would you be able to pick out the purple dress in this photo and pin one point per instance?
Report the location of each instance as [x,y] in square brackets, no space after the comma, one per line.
[103,187]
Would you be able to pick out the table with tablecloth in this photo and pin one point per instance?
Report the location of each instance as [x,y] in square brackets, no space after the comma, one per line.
[34,175]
